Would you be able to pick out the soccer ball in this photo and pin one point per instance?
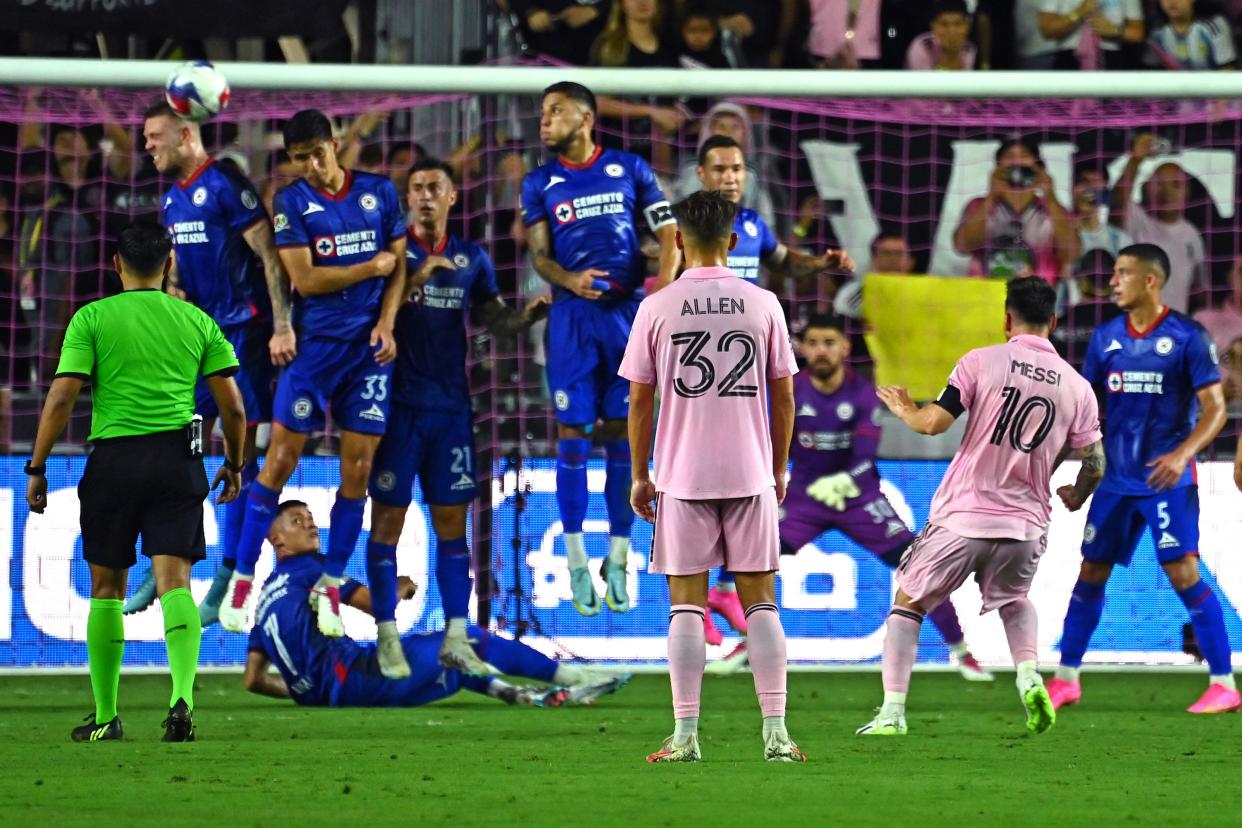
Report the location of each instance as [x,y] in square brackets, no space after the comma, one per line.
[196,90]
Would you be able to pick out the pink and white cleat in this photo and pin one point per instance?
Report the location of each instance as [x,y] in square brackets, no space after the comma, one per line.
[325,600]
[730,606]
[1217,699]
[972,670]
[711,633]
[1063,693]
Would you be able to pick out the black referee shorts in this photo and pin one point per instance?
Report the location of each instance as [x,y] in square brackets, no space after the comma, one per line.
[148,486]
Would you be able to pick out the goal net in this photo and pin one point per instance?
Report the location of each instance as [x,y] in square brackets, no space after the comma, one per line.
[894,181]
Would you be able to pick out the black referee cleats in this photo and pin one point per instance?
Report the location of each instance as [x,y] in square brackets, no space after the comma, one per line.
[179,726]
[95,732]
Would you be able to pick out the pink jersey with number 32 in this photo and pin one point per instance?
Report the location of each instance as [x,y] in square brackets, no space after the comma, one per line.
[1025,404]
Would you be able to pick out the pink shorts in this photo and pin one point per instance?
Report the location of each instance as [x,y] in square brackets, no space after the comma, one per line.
[938,562]
[693,536]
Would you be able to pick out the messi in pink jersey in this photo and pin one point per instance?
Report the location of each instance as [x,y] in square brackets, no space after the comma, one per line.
[1028,410]
[718,350]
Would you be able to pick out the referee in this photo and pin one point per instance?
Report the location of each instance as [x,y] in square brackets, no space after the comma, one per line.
[142,351]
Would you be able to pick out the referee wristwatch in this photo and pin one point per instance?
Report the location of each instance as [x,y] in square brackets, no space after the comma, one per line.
[34,470]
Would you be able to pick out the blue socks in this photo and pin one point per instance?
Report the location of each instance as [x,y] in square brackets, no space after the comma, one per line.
[261,503]
[725,576]
[382,580]
[513,658]
[1209,624]
[617,488]
[1085,608]
[571,482]
[453,577]
[343,534]
[235,515]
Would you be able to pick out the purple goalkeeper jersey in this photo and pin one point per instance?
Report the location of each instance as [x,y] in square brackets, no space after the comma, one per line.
[837,432]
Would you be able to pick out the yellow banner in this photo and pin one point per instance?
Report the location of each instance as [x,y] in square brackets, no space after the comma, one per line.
[920,326]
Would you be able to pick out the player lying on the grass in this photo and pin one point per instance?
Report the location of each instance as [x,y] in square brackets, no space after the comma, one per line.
[989,518]
[339,672]
[1157,367]
[710,342]
[835,484]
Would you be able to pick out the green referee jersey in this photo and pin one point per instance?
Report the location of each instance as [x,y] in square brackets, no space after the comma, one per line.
[143,352]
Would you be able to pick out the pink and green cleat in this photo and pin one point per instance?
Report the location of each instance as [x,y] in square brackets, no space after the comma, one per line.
[728,605]
[1063,693]
[1217,699]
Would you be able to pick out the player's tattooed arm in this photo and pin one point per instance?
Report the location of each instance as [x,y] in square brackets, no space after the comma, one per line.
[259,678]
[283,344]
[784,262]
[502,320]
[1090,473]
[670,256]
[539,240]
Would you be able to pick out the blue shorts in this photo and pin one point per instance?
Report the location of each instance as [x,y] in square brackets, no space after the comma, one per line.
[336,374]
[586,341]
[1115,524]
[255,375]
[365,686]
[438,446]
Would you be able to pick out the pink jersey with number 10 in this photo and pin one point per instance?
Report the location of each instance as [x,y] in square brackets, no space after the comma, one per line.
[710,342]
[1025,404]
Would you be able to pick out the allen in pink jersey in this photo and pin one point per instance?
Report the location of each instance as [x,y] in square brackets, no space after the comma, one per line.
[1029,410]
[718,350]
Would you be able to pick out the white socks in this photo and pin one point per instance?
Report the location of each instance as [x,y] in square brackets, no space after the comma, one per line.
[1226,680]
[685,728]
[774,724]
[960,649]
[387,630]
[455,627]
[618,550]
[894,704]
[575,550]
[1069,674]
[567,674]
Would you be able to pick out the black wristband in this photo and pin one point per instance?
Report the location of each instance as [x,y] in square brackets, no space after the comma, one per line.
[233,467]
[34,470]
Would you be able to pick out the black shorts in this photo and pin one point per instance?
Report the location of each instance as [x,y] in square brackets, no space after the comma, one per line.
[148,486]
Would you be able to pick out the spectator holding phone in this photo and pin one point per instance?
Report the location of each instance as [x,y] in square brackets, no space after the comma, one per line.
[1019,228]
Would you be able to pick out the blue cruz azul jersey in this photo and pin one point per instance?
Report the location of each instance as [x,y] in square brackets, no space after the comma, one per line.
[206,216]
[431,326]
[1149,382]
[344,229]
[590,209]
[755,242]
[285,630]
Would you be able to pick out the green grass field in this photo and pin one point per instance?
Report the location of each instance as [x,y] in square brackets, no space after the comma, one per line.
[1128,755]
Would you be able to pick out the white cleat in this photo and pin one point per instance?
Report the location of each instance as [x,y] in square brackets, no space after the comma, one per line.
[686,750]
[893,724]
[235,608]
[972,670]
[390,654]
[586,599]
[325,600]
[778,747]
[457,654]
[595,686]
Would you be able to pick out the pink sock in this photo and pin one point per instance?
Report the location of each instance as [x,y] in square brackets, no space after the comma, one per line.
[765,647]
[1021,628]
[901,645]
[687,656]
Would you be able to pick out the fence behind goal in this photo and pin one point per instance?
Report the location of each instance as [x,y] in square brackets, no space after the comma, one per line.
[823,172]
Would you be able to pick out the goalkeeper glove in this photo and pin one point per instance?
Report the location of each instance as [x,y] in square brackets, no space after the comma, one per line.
[833,490]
